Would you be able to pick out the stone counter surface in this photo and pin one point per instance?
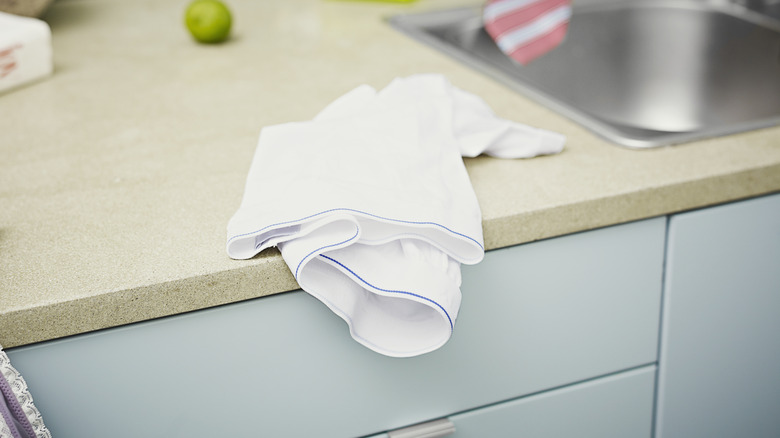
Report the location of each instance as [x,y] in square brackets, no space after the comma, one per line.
[118,174]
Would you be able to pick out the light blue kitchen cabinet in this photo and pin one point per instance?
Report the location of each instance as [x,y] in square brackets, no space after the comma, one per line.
[555,338]
[719,371]
[535,317]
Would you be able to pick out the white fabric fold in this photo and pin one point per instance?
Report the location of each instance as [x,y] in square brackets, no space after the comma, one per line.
[372,209]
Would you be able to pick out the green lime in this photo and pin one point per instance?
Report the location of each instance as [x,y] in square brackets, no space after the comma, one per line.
[208,21]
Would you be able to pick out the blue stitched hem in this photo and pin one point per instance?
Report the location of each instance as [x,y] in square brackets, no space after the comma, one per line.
[360,212]
[452,326]
[365,342]
[297,268]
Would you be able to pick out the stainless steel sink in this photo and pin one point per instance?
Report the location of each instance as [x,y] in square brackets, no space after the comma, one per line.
[640,74]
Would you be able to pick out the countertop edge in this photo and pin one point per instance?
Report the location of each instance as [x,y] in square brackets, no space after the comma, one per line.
[630,206]
[128,306]
[122,307]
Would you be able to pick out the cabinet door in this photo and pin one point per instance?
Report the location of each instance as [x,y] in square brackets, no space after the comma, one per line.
[719,373]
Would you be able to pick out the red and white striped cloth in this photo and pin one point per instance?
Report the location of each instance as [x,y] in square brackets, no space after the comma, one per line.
[527,29]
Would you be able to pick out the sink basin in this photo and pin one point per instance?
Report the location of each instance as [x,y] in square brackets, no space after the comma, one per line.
[640,74]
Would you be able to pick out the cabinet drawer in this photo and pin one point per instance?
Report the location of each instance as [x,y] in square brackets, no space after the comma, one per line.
[534,317]
[618,406]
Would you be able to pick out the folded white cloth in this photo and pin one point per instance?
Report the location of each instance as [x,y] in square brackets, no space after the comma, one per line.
[372,209]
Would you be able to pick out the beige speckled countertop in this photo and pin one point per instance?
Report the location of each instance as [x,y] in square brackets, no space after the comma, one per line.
[119,173]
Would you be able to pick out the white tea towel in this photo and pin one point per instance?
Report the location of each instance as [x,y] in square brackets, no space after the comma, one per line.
[372,209]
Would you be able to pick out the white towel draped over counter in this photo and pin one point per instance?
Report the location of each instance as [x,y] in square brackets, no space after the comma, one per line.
[372,209]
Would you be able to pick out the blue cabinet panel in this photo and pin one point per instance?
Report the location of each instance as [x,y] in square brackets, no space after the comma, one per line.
[719,372]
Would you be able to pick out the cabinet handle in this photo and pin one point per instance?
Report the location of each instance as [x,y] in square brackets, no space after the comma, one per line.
[430,429]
